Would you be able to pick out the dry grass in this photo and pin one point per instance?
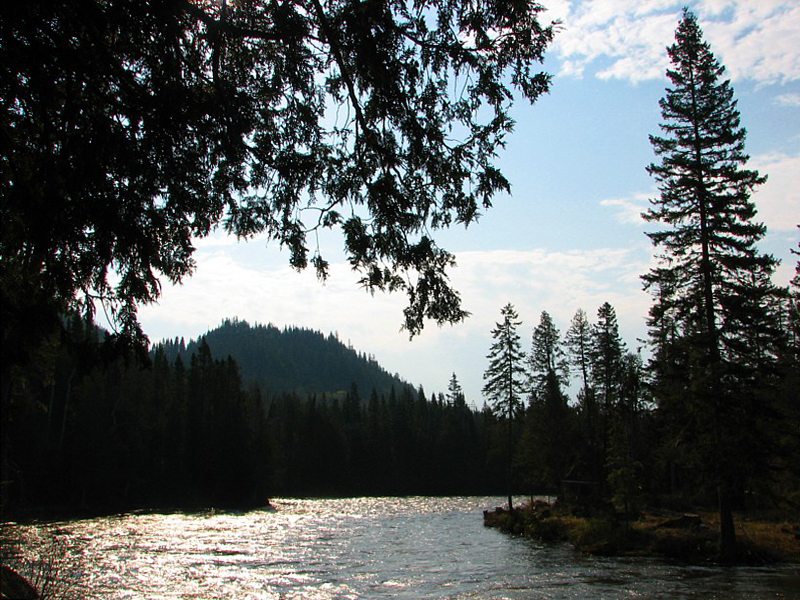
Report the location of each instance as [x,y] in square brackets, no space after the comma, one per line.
[780,539]
[759,540]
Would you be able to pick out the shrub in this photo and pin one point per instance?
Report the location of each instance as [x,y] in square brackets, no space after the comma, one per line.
[598,536]
[43,560]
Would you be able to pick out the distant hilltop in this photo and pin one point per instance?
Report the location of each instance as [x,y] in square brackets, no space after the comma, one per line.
[291,360]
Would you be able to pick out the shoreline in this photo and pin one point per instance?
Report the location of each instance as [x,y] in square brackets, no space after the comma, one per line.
[656,533]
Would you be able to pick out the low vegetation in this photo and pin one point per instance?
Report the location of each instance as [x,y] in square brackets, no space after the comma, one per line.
[37,564]
[690,538]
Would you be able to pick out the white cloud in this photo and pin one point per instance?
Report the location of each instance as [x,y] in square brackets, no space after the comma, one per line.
[615,32]
[223,286]
[571,68]
[757,40]
[778,200]
[787,100]
[618,39]
[630,208]
[534,280]
[558,282]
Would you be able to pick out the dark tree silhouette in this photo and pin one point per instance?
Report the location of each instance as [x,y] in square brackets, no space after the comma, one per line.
[606,353]
[547,358]
[711,287]
[129,128]
[504,377]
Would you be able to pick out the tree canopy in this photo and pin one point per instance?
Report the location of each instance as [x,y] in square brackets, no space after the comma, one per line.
[504,386]
[505,382]
[713,323]
[131,128]
[547,359]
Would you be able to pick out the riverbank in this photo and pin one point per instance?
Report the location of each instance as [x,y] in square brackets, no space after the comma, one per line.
[690,538]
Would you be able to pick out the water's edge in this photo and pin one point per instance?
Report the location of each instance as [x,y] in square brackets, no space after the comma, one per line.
[411,547]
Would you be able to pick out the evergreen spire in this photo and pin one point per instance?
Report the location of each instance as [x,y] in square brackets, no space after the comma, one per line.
[712,290]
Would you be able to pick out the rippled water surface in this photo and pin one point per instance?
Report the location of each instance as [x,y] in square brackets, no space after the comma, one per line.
[372,548]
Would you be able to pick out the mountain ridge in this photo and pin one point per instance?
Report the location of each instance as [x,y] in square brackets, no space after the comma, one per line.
[291,360]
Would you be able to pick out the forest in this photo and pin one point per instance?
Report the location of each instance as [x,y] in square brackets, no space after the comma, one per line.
[292,359]
[616,442]
[106,190]
[110,430]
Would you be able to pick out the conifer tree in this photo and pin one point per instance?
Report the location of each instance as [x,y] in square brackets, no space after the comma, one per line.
[578,342]
[455,393]
[547,358]
[711,286]
[793,314]
[606,354]
[622,460]
[504,376]
[547,446]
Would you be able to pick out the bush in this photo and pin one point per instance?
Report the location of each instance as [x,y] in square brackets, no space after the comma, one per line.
[550,529]
[598,536]
[43,560]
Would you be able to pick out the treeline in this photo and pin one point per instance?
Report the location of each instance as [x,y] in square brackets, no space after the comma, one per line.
[622,441]
[93,426]
[98,428]
[405,443]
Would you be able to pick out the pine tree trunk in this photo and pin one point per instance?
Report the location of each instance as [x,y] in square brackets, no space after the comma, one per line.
[510,474]
[5,441]
[727,531]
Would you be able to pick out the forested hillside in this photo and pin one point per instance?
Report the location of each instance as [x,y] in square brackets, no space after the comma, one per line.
[292,359]
[95,427]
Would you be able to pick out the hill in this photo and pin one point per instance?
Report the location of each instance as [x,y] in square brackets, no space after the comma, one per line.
[292,359]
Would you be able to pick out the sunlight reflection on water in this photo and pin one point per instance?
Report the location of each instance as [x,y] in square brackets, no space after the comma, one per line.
[371,548]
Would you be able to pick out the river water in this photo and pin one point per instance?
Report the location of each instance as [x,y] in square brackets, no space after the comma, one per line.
[368,548]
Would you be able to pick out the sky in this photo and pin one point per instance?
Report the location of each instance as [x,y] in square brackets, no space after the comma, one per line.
[569,235]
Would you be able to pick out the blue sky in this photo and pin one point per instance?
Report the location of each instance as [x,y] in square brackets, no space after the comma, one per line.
[569,236]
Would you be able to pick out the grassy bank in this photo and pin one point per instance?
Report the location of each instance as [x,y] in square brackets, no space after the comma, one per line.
[675,536]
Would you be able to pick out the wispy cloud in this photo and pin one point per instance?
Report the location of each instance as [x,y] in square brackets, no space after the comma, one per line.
[630,209]
[558,282]
[534,280]
[787,100]
[224,286]
[778,200]
[622,42]
[755,40]
[617,39]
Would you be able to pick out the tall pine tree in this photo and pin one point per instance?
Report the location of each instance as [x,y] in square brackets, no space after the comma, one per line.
[606,353]
[504,377]
[711,286]
[548,445]
[547,358]
[578,340]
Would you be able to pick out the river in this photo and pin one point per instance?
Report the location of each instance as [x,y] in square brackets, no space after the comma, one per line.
[368,548]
